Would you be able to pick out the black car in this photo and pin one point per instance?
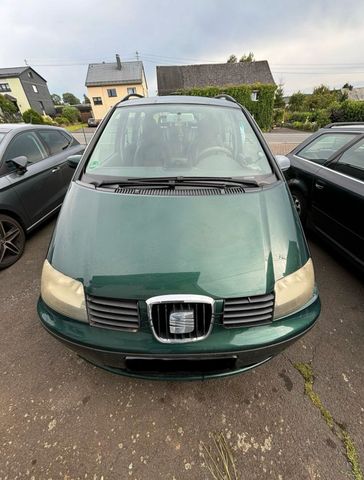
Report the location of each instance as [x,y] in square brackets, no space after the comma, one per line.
[326,179]
[34,177]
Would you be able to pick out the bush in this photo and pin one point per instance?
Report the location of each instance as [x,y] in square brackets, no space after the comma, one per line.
[71,113]
[62,121]
[298,117]
[350,111]
[31,116]
[278,116]
[321,117]
[262,110]
[305,126]
[6,105]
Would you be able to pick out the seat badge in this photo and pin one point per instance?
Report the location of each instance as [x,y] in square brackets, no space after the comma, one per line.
[181,322]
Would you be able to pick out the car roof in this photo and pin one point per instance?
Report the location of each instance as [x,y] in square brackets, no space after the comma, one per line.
[9,127]
[179,99]
[344,127]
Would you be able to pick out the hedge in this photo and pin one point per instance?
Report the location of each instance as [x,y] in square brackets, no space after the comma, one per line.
[349,111]
[262,110]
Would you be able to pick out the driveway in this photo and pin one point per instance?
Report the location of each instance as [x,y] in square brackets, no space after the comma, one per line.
[62,418]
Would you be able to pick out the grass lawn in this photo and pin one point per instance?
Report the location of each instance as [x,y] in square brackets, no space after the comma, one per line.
[75,127]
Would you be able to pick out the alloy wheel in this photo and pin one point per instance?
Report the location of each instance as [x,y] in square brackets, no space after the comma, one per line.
[12,241]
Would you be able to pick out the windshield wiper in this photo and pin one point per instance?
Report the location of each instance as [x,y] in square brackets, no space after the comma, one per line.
[180,180]
[244,181]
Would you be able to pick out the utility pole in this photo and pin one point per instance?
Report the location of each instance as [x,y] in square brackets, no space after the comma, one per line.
[25,61]
[137,55]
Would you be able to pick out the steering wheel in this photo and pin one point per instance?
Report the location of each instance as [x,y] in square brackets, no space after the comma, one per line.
[212,151]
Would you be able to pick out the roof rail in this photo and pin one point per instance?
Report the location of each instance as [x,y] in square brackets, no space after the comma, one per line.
[345,124]
[227,97]
[131,95]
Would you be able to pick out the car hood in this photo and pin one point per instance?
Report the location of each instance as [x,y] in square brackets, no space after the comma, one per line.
[138,246]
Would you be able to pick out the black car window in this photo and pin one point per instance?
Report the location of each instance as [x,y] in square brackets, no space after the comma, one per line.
[28,144]
[324,146]
[56,141]
[351,161]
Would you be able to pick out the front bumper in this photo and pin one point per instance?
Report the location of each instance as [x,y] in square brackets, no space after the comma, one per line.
[224,352]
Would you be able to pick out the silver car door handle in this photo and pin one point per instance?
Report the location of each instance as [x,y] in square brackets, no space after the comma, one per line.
[55,169]
[319,186]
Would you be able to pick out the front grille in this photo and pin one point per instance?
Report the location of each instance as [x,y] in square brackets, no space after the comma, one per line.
[180,191]
[113,313]
[247,311]
[193,323]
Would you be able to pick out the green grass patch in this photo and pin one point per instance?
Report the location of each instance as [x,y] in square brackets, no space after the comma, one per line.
[75,127]
[305,369]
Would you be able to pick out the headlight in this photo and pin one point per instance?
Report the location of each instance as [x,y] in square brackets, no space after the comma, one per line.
[64,294]
[294,290]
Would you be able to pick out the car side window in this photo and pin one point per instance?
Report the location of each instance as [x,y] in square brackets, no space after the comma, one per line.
[351,161]
[324,146]
[56,141]
[27,144]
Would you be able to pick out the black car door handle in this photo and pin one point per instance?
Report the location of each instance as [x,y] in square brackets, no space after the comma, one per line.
[54,170]
[319,186]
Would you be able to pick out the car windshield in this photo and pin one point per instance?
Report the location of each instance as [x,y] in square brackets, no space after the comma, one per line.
[164,140]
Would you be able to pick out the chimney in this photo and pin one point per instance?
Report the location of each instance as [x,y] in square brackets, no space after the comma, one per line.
[118,62]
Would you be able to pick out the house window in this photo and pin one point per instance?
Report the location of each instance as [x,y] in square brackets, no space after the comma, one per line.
[41,104]
[97,100]
[111,92]
[131,90]
[30,74]
[254,97]
[4,87]
[35,88]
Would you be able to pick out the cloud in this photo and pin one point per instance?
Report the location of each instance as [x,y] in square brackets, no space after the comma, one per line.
[286,33]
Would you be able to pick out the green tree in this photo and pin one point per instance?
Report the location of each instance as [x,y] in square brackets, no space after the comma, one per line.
[56,99]
[31,116]
[348,86]
[71,113]
[297,102]
[70,99]
[247,58]
[86,99]
[322,97]
[278,99]
[232,59]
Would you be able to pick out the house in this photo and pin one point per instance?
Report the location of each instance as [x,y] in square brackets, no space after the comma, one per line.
[108,83]
[356,93]
[181,77]
[26,89]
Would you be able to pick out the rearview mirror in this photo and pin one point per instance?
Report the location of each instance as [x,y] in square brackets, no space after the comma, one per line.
[74,160]
[20,162]
[283,162]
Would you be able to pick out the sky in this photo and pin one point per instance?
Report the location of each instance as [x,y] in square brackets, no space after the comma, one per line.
[306,43]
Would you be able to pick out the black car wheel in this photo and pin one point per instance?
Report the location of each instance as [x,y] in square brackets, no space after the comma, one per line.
[301,205]
[12,241]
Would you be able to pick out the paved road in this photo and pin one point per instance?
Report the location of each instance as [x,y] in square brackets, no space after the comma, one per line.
[280,136]
[284,135]
[62,418]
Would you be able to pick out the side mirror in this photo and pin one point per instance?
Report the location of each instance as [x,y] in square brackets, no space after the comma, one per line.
[283,162]
[74,160]
[20,162]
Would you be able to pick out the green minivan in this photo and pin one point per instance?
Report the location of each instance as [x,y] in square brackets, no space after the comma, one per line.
[178,252]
